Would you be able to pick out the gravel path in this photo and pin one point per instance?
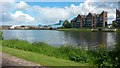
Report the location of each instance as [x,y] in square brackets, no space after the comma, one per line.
[0,59]
[8,60]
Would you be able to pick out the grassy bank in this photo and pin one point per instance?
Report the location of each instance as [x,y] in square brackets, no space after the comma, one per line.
[118,30]
[63,52]
[1,33]
[99,57]
[74,29]
[87,30]
[39,58]
[1,37]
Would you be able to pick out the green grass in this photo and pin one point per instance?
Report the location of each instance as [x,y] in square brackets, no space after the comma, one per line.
[0,45]
[75,29]
[64,52]
[118,30]
[101,56]
[1,38]
[40,59]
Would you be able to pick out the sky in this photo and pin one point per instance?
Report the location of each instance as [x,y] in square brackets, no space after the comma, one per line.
[46,12]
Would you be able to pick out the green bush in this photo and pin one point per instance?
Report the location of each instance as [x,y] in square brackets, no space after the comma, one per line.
[1,35]
[100,57]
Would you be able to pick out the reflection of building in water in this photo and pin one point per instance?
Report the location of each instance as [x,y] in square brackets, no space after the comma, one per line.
[117,37]
[110,40]
[86,38]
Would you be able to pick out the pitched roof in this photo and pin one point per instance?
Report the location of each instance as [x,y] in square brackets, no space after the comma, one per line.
[117,10]
[93,14]
[97,15]
[73,19]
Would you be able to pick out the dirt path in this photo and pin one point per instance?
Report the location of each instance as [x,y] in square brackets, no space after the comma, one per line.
[0,59]
[9,60]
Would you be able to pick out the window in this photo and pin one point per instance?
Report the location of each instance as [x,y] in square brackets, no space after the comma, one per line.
[89,20]
[117,15]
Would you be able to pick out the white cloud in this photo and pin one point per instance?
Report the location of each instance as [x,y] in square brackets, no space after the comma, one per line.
[6,6]
[20,16]
[17,17]
[8,17]
[51,15]
[98,7]
[7,0]
[21,5]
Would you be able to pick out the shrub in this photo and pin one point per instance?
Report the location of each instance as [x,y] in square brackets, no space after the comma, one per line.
[100,57]
[1,35]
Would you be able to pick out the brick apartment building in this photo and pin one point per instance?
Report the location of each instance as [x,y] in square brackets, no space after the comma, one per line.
[78,21]
[118,17]
[91,20]
[101,19]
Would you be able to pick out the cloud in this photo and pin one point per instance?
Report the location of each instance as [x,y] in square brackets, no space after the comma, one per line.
[21,5]
[51,15]
[110,7]
[20,16]
[6,5]
[7,1]
[8,17]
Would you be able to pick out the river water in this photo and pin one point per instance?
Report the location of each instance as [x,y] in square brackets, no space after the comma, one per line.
[57,38]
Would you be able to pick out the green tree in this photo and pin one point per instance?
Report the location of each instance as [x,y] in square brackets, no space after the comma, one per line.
[113,24]
[67,24]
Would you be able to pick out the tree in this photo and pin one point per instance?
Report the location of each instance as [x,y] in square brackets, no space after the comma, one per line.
[113,24]
[67,24]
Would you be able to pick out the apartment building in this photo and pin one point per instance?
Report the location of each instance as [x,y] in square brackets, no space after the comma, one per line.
[91,20]
[118,17]
[101,19]
[78,22]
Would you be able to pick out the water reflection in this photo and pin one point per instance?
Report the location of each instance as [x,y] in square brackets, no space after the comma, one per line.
[57,38]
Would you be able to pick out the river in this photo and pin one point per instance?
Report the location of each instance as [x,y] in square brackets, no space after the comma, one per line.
[57,38]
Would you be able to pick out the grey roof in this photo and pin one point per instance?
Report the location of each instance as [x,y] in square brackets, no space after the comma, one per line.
[73,19]
[93,14]
[97,15]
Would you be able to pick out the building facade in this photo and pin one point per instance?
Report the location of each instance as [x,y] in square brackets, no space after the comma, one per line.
[91,20]
[101,19]
[77,22]
[118,17]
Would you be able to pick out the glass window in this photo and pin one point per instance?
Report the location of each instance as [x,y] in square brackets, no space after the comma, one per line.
[117,15]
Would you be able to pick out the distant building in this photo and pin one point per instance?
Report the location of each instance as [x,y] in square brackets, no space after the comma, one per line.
[57,25]
[101,19]
[118,17]
[5,27]
[77,22]
[91,20]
